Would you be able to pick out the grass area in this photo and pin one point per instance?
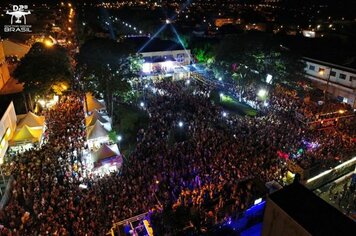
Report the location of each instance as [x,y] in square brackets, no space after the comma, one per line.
[232,104]
[129,120]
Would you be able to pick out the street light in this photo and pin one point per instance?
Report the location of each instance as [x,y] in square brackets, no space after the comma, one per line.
[48,43]
[321,72]
[142,104]
[224,114]
[262,93]
[180,124]
[119,139]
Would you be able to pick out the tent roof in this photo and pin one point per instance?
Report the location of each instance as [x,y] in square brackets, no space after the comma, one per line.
[96,131]
[27,134]
[93,103]
[104,152]
[31,120]
[90,120]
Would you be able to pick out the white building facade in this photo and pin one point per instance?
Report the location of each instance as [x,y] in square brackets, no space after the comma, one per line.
[339,81]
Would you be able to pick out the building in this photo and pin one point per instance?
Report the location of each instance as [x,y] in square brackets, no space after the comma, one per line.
[340,81]
[7,126]
[163,58]
[295,210]
[4,70]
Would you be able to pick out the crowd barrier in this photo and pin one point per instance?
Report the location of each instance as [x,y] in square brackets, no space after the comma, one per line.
[330,175]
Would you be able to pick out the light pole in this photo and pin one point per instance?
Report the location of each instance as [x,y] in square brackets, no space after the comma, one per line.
[321,72]
[119,139]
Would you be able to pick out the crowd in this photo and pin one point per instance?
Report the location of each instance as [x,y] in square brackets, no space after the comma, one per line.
[190,158]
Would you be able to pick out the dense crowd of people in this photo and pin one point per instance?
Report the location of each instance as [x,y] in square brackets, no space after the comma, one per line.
[190,158]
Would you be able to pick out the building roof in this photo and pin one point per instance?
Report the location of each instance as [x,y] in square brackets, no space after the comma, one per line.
[155,45]
[332,65]
[311,212]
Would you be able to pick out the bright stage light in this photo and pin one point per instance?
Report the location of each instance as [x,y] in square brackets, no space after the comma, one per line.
[220,79]
[119,138]
[180,124]
[168,65]
[142,104]
[146,67]
[262,93]
[168,21]
[224,114]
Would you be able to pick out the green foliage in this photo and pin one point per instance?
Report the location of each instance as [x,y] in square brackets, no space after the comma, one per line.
[43,67]
[233,105]
[204,53]
[113,136]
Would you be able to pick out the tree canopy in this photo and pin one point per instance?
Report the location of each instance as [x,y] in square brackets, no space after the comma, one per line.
[260,53]
[43,68]
[105,66]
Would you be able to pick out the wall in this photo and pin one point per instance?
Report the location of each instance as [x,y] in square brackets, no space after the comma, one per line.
[175,53]
[4,71]
[8,120]
[276,222]
[339,87]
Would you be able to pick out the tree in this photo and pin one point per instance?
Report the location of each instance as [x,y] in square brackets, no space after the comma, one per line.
[43,68]
[204,53]
[106,67]
[261,53]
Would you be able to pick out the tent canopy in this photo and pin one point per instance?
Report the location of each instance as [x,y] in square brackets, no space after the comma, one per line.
[96,131]
[95,116]
[27,134]
[31,120]
[92,103]
[104,152]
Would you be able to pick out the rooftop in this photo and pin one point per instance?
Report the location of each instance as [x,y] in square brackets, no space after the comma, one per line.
[311,212]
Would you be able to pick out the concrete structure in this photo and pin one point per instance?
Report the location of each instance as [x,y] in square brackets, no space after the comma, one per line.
[339,81]
[296,211]
[7,126]
[4,70]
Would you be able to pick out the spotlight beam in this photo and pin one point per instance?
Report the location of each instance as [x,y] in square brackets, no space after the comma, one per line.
[154,36]
[180,40]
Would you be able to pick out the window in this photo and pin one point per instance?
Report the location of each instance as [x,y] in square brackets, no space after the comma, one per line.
[333,73]
[321,70]
[342,76]
[352,78]
[311,67]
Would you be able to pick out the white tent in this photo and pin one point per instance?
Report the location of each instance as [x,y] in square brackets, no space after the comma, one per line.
[27,135]
[92,103]
[96,131]
[103,153]
[30,120]
[95,116]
